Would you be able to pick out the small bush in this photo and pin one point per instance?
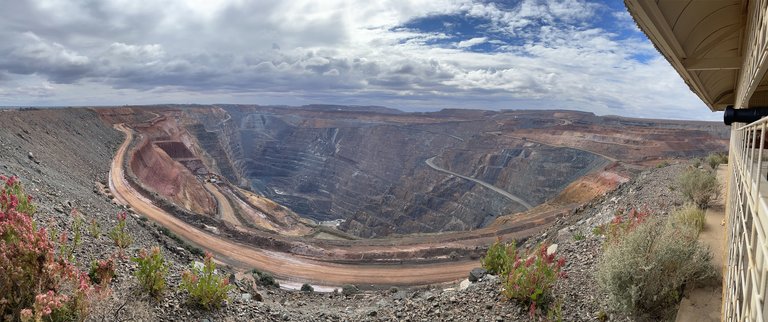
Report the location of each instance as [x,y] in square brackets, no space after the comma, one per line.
[205,287]
[266,279]
[307,288]
[578,236]
[532,277]
[699,187]
[94,229]
[151,271]
[102,272]
[716,159]
[498,260]
[197,251]
[35,284]
[119,235]
[690,216]
[349,289]
[644,270]
[66,248]
[620,226]
[696,163]
[662,164]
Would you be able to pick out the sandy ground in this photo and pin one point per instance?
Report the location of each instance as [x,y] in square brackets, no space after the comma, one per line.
[283,265]
[703,304]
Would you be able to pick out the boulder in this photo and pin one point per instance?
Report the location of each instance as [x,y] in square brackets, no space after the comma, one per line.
[464,284]
[476,274]
[552,249]
[212,229]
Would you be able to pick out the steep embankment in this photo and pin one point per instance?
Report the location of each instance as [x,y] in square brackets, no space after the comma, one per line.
[164,163]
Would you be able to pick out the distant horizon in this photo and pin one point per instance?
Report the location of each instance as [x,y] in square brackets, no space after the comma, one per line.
[16,107]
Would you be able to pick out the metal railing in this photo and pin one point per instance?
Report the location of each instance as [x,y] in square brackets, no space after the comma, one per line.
[746,271]
[755,54]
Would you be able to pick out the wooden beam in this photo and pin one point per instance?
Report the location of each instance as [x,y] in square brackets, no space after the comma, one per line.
[724,63]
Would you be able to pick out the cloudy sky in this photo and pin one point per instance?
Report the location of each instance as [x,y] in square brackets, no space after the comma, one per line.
[408,54]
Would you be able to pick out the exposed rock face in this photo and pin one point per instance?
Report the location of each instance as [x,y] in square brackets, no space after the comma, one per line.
[165,164]
[369,168]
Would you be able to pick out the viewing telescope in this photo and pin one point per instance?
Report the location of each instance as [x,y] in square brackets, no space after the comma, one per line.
[747,115]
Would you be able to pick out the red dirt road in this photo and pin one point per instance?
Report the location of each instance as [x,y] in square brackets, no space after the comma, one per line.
[283,265]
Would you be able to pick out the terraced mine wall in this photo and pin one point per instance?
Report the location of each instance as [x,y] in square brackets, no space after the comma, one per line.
[374,176]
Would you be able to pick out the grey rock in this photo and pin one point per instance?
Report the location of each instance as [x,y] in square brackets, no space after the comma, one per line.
[476,274]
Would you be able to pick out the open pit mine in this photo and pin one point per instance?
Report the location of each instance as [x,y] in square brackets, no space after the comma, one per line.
[338,195]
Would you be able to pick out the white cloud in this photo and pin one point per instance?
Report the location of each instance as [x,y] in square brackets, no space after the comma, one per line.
[472,42]
[335,51]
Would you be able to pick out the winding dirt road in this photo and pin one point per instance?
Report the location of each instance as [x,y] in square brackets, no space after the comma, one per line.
[286,266]
[225,208]
[431,164]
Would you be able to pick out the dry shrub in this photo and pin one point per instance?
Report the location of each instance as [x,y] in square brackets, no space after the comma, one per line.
[716,159]
[644,271]
[690,216]
[699,187]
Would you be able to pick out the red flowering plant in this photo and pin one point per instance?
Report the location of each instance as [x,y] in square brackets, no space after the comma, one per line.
[619,226]
[532,277]
[102,272]
[34,282]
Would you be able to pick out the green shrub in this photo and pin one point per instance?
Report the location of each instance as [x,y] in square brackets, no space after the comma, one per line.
[66,248]
[498,260]
[716,159]
[206,288]
[690,216]
[151,271]
[307,288]
[643,271]
[662,164]
[578,236]
[102,272]
[265,279]
[94,229]
[699,187]
[197,251]
[119,235]
[532,277]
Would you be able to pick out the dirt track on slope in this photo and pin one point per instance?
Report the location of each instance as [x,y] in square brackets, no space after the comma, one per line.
[225,209]
[430,162]
[283,265]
